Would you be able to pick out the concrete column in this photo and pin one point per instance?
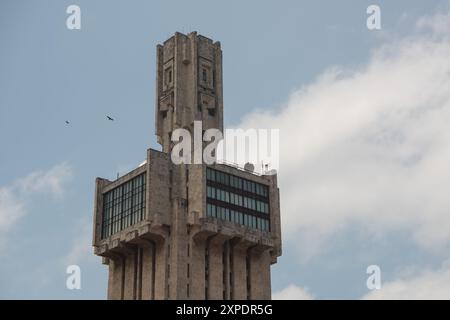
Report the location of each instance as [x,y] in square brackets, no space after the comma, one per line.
[148,272]
[197,270]
[161,271]
[260,262]
[115,279]
[226,269]
[130,276]
[239,269]
[215,279]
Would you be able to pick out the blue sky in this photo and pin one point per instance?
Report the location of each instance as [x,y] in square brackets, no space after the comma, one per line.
[279,58]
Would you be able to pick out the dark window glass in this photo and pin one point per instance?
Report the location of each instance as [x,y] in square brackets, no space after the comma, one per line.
[123,206]
[227,193]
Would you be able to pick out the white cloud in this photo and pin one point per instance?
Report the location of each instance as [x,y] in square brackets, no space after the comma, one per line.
[439,24]
[370,146]
[292,292]
[50,181]
[11,209]
[81,246]
[427,284]
[15,197]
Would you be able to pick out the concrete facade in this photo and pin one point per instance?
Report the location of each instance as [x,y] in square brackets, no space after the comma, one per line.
[174,249]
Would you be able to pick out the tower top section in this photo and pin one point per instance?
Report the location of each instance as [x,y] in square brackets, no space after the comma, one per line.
[188,85]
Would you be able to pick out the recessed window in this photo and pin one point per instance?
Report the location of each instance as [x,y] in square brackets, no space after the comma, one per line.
[204,75]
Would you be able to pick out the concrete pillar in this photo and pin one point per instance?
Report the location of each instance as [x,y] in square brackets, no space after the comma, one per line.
[215,278]
[115,279]
[148,272]
[260,262]
[197,270]
[130,287]
[239,269]
[161,271]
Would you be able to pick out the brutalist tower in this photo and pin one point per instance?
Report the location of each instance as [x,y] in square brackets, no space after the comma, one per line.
[187,231]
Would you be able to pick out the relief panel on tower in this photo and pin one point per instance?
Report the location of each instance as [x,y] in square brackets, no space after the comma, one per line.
[166,102]
[168,75]
[205,73]
[208,103]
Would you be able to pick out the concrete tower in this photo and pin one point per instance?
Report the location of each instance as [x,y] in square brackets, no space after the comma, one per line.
[188,85]
[170,231]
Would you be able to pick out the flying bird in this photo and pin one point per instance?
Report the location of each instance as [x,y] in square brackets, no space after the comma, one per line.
[67,122]
[109,118]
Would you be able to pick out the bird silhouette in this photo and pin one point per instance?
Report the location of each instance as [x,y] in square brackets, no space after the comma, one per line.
[109,118]
[67,122]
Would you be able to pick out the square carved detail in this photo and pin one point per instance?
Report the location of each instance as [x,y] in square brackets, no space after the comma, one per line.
[166,102]
[168,75]
[207,101]
[205,73]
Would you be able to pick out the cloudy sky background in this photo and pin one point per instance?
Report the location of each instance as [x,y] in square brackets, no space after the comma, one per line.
[363,118]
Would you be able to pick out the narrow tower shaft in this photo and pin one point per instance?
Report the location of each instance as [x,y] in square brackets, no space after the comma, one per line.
[189,85]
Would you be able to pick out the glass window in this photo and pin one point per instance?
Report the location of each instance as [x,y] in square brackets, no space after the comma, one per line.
[123,206]
[252,202]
